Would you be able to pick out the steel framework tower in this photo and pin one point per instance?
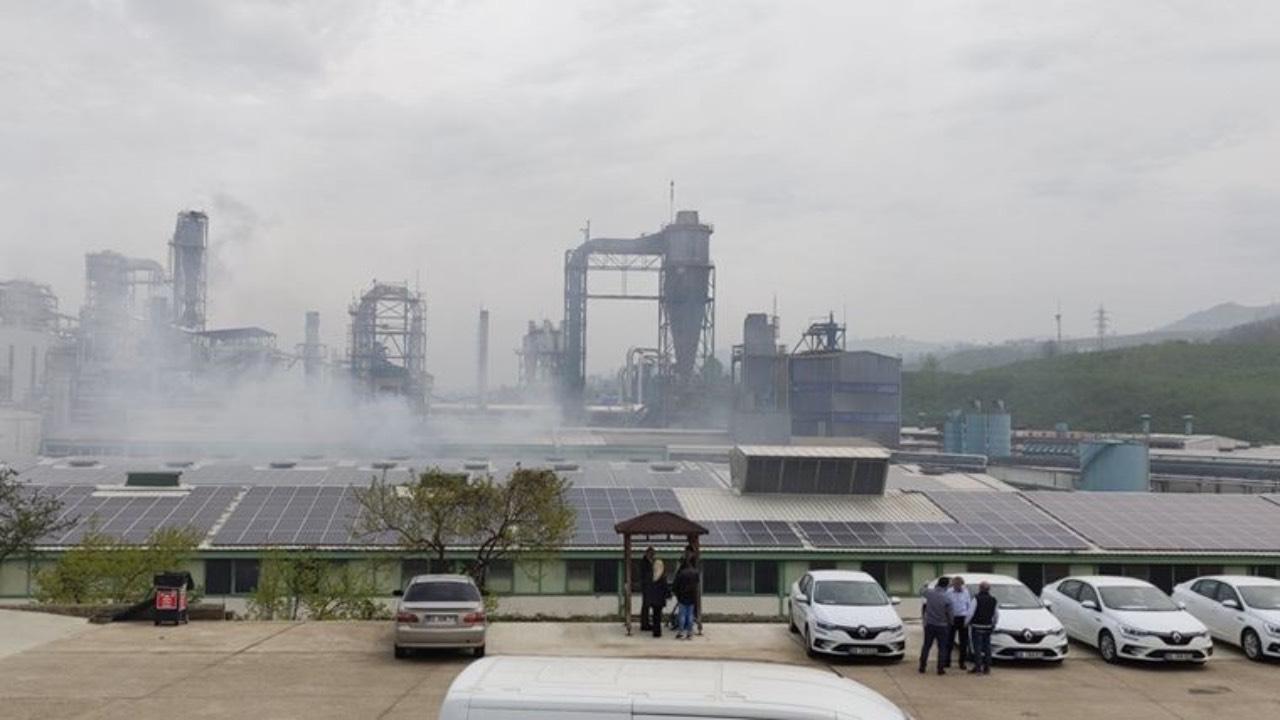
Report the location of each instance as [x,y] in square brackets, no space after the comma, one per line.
[681,255]
[388,344]
[188,267]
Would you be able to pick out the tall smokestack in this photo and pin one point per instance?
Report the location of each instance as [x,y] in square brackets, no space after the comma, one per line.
[311,350]
[482,361]
[188,269]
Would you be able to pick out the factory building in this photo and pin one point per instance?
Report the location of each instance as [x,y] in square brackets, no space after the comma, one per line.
[847,508]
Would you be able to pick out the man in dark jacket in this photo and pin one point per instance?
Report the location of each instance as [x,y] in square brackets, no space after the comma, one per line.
[646,579]
[686,591]
[937,619]
[655,597]
[983,617]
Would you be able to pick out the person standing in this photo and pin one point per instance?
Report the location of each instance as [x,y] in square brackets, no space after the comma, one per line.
[656,596]
[983,616]
[646,579]
[686,592]
[961,606]
[937,619]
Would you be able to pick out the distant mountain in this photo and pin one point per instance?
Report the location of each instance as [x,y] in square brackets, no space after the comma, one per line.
[1223,317]
[1264,332]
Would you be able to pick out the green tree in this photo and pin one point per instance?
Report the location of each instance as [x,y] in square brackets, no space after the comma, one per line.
[102,568]
[26,515]
[528,511]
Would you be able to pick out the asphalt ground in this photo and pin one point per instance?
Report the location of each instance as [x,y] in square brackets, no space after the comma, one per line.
[346,670]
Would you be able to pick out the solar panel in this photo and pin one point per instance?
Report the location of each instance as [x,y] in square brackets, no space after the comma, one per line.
[298,515]
[133,516]
[1160,521]
[600,508]
[769,533]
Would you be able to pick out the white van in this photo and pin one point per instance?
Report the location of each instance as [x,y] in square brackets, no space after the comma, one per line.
[546,688]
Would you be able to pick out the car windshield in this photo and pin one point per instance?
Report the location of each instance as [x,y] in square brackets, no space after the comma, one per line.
[1261,597]
[848,592]
[1136,597]
[442,592]
[1011,597]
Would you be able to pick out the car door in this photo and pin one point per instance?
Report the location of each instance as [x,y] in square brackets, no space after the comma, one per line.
[1230,621]
[800,602]
[1064,604]
[1089,621]
[1201,602]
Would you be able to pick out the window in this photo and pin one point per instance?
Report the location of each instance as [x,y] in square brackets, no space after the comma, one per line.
[878,570]
[500,577]
[739,577]
[1087,593]
[1225,593]
[1110,569]
[1270,571]
[217,577]
[246,576]
[1071,589]
[899,577]
[822,564]
[981,567]
[1053,572]
[605,574]
[1207,588]
[442,591]
[579,575]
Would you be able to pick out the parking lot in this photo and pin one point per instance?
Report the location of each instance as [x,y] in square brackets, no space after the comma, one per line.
[346,670]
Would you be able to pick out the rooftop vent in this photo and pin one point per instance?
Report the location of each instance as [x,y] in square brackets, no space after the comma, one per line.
[179,463]
[664,467]
[82,463]
[152,479]
[475,465]
[399,458]
[555,459]
[566,467]
[383,465]
[282,464]
[638,459]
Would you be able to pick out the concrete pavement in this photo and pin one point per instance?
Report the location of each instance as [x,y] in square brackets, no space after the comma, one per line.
[21,630]
[346,670]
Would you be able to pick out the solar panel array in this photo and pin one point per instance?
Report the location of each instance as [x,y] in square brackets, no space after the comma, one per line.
[133,516]
[1145,521]
[298,515]
[749,533]
[599,509]
[1007,520]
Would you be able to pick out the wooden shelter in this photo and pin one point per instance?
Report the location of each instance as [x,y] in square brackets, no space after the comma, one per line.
[656,527]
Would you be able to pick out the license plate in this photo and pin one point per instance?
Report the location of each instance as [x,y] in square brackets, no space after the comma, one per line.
[1178,656]
[1027,654]
[438,620]
[863,651]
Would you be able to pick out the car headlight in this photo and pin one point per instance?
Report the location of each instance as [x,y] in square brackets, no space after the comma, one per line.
[1273,629]
[1135,632]
[894,629]
[826,627]
[1059,632]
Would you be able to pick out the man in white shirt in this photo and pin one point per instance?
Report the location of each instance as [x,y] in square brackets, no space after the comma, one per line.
[961,607]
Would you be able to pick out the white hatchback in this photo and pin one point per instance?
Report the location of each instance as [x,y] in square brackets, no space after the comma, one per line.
[1238,609]
[1127,619]
[1025,629]
[844,612]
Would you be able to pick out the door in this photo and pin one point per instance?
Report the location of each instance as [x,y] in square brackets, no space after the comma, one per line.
[1202,602]
[1064,605]
[1230,621]
[800,607]
[1088,621]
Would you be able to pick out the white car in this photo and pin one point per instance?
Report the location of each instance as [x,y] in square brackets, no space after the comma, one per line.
[1025,629]
[843,612]
[1237,609]
[600,688]
[1127,619]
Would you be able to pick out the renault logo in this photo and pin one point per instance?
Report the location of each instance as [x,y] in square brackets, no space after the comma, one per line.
[862,631]
[1027,635]
[1177,637]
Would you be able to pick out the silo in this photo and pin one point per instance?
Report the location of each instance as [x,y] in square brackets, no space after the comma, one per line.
[1114,465]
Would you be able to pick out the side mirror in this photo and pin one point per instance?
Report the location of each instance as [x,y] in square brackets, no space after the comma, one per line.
[1182,605]
[397,593]
[1090,604]
[1231,603]
[802,599]
[895,600]
[1048,604]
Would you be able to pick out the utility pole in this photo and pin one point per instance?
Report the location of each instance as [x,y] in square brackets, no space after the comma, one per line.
[1102,319]
[1057,319]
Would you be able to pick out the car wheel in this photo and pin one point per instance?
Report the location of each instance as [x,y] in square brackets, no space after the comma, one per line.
[1252,645]
[808,646]
[1107,647]
[791,625]
[401,652]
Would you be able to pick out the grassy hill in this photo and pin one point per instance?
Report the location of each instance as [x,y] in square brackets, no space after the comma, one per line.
[1232,389]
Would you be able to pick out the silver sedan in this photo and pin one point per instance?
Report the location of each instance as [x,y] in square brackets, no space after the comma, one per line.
[440,611]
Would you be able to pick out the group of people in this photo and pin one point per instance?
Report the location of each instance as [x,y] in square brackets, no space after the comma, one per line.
[656,589]
[954,619]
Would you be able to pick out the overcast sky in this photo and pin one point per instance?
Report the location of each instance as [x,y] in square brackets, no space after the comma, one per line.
[937,170]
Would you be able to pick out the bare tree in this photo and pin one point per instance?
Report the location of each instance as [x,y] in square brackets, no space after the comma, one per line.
[26,515]
[529,511]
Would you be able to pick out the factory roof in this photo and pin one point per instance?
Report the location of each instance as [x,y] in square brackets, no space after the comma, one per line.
[239,504]
[817,452]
